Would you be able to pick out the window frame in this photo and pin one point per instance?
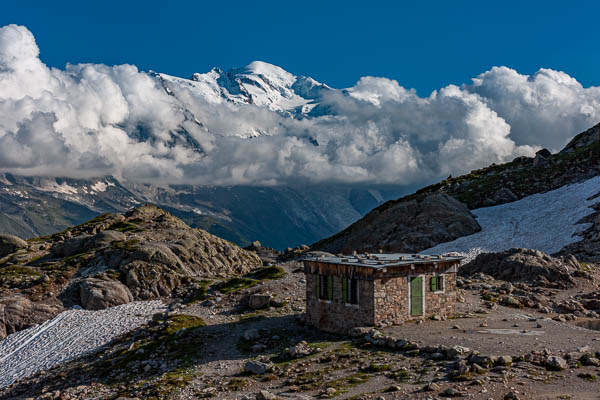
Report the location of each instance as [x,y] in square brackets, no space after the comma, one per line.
[348,295]
[325,287]
[440,283]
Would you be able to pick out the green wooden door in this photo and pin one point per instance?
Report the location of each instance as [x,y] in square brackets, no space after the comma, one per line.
[416,296]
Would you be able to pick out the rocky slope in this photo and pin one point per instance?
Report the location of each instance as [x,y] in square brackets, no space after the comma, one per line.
[113,259]
[491,186]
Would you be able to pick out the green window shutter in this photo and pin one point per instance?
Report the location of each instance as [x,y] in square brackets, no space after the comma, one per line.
[434,283]
[318,286]
[441,282]
[344,290]
[329,287]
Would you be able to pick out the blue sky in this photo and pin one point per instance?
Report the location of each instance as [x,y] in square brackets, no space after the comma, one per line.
[424,46]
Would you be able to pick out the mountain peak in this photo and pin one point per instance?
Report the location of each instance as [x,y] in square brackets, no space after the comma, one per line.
[271,72]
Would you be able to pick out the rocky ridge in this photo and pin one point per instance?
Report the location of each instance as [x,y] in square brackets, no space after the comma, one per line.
[113,259]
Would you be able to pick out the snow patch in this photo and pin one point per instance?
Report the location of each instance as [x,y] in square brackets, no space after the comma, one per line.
[544,221]
[69,335]
[53,186]
[101,186]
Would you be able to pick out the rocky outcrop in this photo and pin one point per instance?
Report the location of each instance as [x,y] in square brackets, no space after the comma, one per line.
[113,259]
[524,265]
[97,293]
[9,244]
[407,226]
[84,243]
[18,312]
[584,139]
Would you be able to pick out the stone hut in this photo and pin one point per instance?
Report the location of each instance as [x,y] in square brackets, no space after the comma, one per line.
[343,292]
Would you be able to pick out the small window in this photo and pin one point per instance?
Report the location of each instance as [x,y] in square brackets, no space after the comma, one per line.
[433,283]
[436,283]
[350,291]
[325,287]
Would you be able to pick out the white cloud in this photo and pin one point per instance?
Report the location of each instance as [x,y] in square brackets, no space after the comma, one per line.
[90,120]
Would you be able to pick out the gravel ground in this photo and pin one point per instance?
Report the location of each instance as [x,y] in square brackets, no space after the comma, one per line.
[67,336]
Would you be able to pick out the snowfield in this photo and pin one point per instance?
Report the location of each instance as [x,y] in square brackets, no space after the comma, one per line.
[69,335]
[544,221]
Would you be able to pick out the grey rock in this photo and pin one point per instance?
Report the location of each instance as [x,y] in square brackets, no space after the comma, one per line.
[511,396]
[452,392]
[258,301]
[265,395]
[481,360]
[503,361]
[9,244]
[257,367]
[18,313]
[72,246]
[504,195]
[523,265]
[98,294]
[456,351]
[556,363]
[431,387]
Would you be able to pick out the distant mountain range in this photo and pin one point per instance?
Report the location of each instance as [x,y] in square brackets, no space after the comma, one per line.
[277,216]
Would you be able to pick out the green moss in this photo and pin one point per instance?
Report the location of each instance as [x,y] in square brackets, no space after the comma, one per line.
[400,376]
[267,273]
[251,279]
[128,245]
[587,377]
[237,384]
[18,270]
[235,284]
[125,226]
[181,321]
[200,293]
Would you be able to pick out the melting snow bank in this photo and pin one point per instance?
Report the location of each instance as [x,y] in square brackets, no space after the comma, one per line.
[544,221]
[69,335]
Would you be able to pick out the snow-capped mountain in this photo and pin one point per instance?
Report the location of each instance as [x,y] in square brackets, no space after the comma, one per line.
[258,83]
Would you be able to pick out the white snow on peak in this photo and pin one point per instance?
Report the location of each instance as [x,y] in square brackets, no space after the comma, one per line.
[259,83]
[544,221]
[274,73]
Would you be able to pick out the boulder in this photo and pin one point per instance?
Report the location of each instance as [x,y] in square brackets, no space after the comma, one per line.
[9,244]
[503,361]
[556,363]
[98,294]
[18,312]
[300,350]
[504,195]
[257,367]
[105,238]
[72,246]
[264,395]
[258,301]
[524,265]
